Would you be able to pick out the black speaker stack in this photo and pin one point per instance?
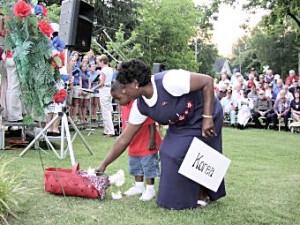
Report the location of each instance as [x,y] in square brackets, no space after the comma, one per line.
[76,24]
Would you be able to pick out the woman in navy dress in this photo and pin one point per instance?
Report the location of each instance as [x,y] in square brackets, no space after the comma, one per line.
[185,101]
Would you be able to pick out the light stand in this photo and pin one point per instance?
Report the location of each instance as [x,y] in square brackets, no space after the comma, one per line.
[65,118]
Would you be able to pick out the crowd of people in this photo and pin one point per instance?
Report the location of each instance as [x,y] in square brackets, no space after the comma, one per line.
[265,99]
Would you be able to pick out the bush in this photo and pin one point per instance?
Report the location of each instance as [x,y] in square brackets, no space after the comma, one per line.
[10,191]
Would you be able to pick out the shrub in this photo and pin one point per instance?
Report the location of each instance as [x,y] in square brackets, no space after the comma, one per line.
[10,191]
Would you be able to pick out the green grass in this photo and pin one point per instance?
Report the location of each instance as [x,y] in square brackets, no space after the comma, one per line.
[263,186]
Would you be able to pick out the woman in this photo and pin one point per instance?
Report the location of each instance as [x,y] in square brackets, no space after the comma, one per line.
[76,87]
[85,82]
[94,76]
[295,107]
[185,101]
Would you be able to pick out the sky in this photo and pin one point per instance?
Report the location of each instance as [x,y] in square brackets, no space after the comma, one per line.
[227,28]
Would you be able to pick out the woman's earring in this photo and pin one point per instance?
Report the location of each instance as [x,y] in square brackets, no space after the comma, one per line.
[123,91]
[136,87]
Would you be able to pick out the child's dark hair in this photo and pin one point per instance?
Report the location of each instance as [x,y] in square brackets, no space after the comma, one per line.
[116,86]
[134,70]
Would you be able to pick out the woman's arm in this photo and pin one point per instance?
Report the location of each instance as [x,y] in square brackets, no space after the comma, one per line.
[120,145]
[152,137]
[205,84]
[102,81]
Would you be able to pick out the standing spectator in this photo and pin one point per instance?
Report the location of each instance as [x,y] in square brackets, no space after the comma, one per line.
[91,57]
[85,82]
[295,107]
[75,55]
[76,89]
[281,109]
[229,106]
[234,78]
[291,78]
[262,108]
[251,82]
[94,77]
[10,90]
[105,96]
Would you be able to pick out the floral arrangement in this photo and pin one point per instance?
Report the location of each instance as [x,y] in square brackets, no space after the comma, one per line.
[37,58]
[117,180]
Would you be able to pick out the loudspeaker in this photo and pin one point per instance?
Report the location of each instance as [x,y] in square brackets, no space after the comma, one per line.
[158,67]
[76,24]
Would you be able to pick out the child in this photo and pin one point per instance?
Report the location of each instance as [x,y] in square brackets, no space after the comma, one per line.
[143,149]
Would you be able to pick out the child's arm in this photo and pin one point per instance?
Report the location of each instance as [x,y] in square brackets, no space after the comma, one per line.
[152,137]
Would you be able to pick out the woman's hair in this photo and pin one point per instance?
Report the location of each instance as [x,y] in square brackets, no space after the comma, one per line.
[134,70]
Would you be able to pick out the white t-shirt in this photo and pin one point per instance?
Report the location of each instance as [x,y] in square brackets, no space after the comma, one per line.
[108,73]
[176,82]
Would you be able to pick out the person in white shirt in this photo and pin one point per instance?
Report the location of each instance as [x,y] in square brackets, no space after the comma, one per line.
[104,86]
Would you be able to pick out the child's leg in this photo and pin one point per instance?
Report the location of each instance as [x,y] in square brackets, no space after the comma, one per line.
[151,170]
[135,169]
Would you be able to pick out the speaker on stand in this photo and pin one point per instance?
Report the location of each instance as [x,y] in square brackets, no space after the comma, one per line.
[76,24]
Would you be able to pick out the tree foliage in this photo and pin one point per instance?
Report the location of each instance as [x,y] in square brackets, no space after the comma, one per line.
[274,47]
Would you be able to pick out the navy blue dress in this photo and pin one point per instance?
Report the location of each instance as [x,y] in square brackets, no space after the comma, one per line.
[183,114]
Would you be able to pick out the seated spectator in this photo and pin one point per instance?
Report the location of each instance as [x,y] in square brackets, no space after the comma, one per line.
[281,110]
[269,91]
[288,95]
[253,95]
[261,79]
[262,108]
[224,78]
[277,87]
[269,77]
[250,82]
[229,107]
[295,107]
[291,78]
[234,78]
[223,91]
[294,88]
[245,105]
[237,93]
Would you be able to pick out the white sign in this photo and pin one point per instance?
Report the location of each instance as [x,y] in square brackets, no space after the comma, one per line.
[204,165]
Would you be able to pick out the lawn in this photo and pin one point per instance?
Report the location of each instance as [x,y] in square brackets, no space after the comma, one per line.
[263,186]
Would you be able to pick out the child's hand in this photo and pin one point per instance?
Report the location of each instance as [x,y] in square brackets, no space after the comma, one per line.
[152,145]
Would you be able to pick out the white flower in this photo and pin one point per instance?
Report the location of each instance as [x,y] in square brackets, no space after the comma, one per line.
[117,179]
[116,195]
[91,172]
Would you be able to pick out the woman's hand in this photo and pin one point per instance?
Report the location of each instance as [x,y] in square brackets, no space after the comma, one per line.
[101,168]
[208,129]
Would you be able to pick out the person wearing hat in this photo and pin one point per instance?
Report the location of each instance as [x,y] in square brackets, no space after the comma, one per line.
[104,86]
[262,108]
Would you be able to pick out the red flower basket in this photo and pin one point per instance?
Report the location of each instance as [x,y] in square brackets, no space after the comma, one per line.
[67,182]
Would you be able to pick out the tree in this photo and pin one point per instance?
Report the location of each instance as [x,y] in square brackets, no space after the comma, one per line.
[280,9]
[165,30]
[274,47]
[111,13]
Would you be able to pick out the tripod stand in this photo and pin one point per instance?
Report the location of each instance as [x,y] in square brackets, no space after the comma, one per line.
[65,118]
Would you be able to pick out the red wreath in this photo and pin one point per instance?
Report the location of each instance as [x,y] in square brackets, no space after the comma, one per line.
[60,96]
[22,9]
[45,28]
[58,58]
[45,10]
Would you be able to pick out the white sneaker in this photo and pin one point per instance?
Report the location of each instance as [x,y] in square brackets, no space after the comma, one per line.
[147,195]
[134,190]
